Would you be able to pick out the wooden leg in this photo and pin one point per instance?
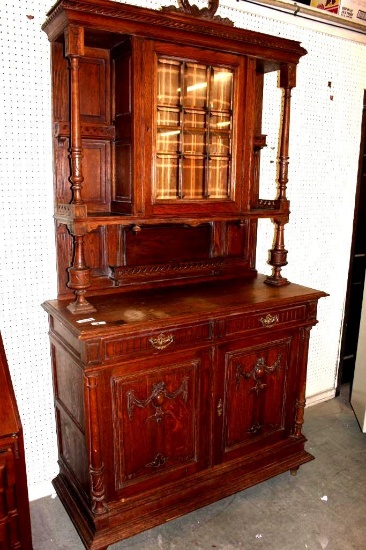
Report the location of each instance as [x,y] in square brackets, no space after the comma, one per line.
[293,471]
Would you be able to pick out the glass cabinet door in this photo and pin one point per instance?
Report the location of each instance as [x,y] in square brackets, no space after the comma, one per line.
[194,132]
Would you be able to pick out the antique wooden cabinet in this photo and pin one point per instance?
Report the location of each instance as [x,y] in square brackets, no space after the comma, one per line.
[179,372]
[15,526]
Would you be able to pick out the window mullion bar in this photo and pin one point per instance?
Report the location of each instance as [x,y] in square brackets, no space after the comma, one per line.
[207,133]
[181,126]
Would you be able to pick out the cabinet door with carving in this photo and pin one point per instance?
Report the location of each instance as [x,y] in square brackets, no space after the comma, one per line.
[159,421]
[254,407]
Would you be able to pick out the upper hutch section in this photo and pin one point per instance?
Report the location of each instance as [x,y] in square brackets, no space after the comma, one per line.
[169,113]
[157,139]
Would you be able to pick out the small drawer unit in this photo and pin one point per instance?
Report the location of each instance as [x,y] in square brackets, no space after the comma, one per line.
[266,320]
[158,341]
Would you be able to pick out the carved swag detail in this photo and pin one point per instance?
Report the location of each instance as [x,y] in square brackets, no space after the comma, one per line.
[157,398]
[258,373]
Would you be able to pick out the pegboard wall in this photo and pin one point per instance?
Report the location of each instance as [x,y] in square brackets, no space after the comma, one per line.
[324,148]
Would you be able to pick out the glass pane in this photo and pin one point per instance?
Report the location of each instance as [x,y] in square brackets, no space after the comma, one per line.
[194,143]
[195,119]
[168,82]
[220,121]
[166,177]
[193,178]
[168,141]
[195,83]
[219,144]
[168,117]
[221,89]
[218,180]
[194,130]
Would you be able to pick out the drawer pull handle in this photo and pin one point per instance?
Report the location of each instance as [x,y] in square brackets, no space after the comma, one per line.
[162,341]
[269,320]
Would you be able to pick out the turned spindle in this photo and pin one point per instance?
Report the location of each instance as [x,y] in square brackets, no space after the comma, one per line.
[278,254]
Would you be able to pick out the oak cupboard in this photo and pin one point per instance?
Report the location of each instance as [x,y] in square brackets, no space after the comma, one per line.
[179,371]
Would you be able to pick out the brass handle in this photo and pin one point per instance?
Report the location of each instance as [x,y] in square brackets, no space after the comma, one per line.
[161,341]
[219,408]
[269,320]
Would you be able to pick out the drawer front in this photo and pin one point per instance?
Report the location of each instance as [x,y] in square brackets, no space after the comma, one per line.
[158,341]
[266,319]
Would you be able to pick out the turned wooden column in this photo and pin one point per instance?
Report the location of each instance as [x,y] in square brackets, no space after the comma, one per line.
[278,254]
[79,272]
[301,400]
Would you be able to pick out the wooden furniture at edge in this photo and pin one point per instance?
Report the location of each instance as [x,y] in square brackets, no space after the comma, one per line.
[15,526]
[179,371]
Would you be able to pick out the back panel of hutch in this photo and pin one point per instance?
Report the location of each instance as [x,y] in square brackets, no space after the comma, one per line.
[179,372]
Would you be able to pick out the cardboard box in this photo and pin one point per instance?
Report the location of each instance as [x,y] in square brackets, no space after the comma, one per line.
[353,10]
[331,6]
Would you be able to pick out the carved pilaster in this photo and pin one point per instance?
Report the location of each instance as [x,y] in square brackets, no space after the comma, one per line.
[96,466]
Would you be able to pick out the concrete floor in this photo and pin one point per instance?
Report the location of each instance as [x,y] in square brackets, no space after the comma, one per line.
[323,507]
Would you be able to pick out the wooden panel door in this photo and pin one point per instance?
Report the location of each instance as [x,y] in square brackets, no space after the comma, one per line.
[252,411]
[160,421]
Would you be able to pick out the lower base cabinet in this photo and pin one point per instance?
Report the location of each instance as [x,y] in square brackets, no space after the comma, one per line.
[168,401]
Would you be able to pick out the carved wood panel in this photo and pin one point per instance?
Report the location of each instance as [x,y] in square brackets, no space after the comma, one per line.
[94,68]
[96,171]
[72,448]
[255,386]
[158,244]
[156,422]
[68,381]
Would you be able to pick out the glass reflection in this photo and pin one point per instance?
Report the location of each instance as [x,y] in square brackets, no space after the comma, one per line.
[194,130]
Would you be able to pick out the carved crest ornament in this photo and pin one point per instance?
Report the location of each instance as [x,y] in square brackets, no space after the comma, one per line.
[205,13]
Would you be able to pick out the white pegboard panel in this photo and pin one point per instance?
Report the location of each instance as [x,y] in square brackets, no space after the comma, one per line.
[27,235]
[324,148]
